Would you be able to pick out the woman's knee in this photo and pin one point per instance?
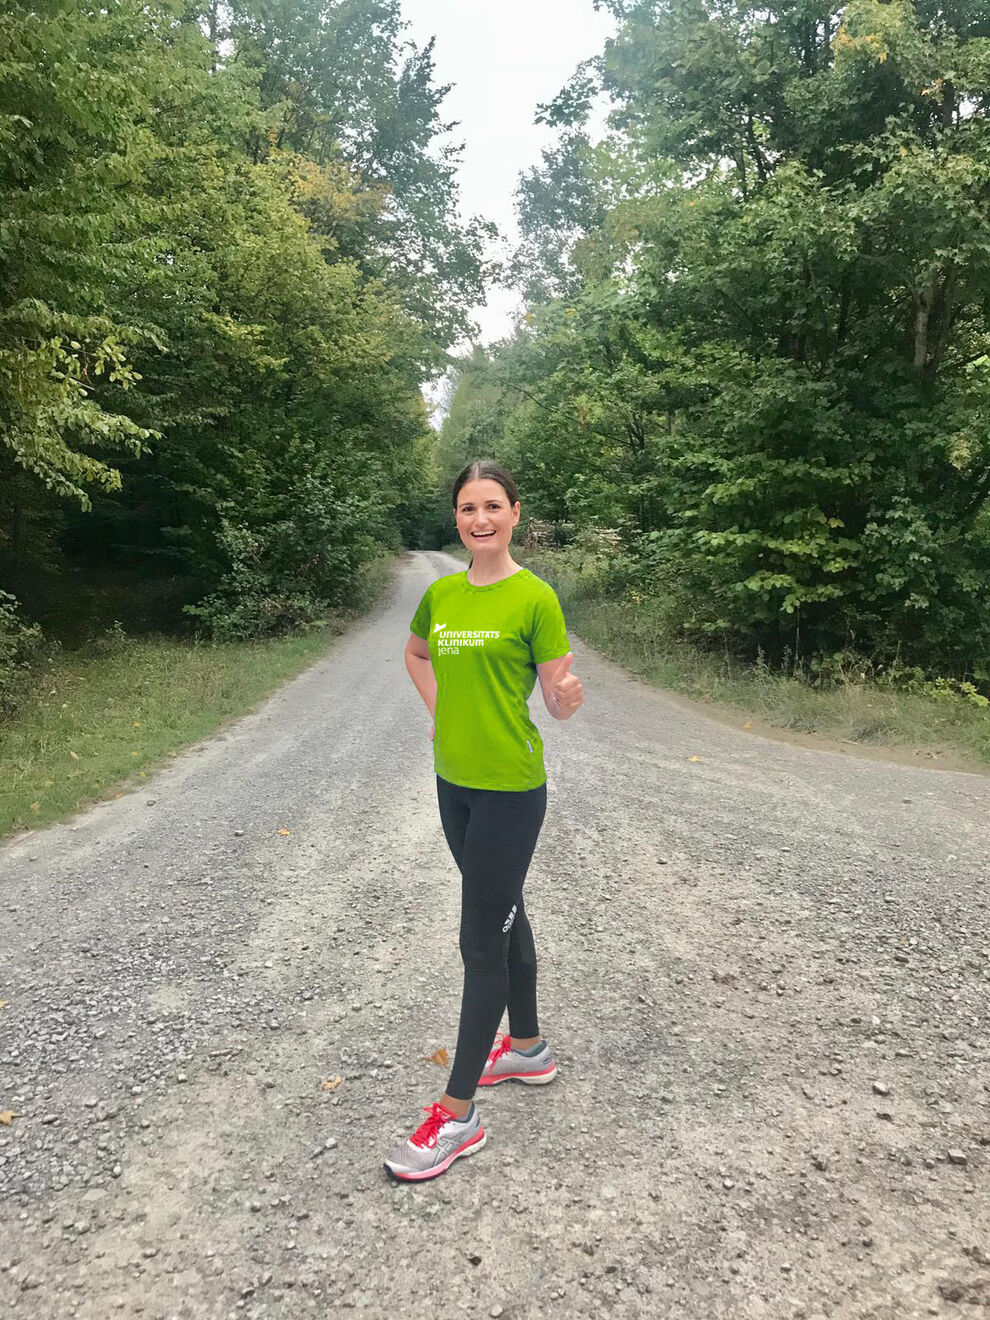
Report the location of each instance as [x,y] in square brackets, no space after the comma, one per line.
[490,955]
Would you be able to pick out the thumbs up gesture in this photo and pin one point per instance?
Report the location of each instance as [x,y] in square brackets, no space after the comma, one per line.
[565,691]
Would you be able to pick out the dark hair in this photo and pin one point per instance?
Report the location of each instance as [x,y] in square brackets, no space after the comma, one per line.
[483,469]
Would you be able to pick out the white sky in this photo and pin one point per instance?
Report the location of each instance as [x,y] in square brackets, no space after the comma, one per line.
[504,57]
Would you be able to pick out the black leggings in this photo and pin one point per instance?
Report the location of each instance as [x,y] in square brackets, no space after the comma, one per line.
[492,835]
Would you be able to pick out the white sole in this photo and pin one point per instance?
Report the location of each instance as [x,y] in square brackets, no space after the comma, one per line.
[529,1079]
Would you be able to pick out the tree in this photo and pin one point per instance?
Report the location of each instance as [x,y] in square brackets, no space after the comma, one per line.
[777,329]
[338,84]
[73,81]
[230,256]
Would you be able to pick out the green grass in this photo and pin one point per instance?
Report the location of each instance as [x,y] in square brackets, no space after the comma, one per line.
[633,635]
[855,712]
[106,716]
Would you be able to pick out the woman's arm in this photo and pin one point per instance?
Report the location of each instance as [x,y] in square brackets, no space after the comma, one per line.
[420,666]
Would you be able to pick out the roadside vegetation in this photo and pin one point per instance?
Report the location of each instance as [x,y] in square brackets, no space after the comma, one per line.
[231,253]
[936,721]
[748,404]
[96,721]
[747,401]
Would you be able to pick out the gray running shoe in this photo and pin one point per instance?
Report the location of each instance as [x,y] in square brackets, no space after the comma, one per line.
[437,1142]
[506,1065]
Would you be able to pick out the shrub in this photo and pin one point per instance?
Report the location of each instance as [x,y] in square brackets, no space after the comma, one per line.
[23,648]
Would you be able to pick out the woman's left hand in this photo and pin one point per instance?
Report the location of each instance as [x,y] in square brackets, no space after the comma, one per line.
[565,689]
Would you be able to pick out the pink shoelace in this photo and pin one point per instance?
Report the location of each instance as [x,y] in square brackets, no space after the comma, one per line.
[426,1134]
[502,1048]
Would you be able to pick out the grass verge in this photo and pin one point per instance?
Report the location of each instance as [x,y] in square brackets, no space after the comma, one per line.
[106,716]
[941,732]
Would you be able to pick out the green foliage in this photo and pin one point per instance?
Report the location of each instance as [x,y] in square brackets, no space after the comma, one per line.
[229,253]
[337,86]
[22,647]
[759,343]
[71,84]
[475,418]
[252,599]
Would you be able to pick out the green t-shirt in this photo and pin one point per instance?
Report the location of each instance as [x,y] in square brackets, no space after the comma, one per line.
[485,643]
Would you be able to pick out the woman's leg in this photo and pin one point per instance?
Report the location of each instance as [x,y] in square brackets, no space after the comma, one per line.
[499,842]
[523,1018]
[454,812]
[522,961]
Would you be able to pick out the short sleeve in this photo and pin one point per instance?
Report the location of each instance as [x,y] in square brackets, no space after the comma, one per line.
[420,624]
[549,637]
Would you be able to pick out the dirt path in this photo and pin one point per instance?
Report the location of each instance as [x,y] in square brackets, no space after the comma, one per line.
[765,972]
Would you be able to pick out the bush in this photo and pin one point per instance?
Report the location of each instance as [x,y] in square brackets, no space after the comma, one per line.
[252,600]
[237,612]
[23,648]
[110,641]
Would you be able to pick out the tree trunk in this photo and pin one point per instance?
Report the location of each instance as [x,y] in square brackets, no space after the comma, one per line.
[923,300]
[946,308]
[761,168]
[948,103]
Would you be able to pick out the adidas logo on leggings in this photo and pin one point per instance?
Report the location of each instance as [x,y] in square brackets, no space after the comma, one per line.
[509,919]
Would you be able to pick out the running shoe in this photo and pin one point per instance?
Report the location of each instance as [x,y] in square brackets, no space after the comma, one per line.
[507,1065]
[439,1140]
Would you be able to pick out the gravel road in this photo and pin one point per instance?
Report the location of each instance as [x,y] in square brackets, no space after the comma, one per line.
[765,972]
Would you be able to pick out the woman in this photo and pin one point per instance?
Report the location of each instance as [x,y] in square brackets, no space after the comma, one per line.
[478,641]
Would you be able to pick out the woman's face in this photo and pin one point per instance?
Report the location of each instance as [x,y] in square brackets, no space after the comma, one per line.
[485,518]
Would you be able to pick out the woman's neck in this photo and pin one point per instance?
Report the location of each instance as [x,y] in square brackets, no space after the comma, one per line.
[483,575]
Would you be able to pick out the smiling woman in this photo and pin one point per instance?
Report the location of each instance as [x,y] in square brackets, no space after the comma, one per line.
[486,512]
[478,642]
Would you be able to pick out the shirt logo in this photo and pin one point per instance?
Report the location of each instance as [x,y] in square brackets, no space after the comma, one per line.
[438,626]
[453,639]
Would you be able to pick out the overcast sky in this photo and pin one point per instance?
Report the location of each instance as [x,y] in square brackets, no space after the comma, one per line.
[504,57]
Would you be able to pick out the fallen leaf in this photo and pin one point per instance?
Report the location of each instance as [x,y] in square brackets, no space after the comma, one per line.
[35,806]
[748,724]
[694,758]
[137,724]
[284,831]
[439,1057]
[332,1083]
[7,1117]
[3,1003]
[74,755]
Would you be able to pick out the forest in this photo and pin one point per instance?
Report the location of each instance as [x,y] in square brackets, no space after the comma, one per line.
[751,361]
[229,257]
[756,344]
